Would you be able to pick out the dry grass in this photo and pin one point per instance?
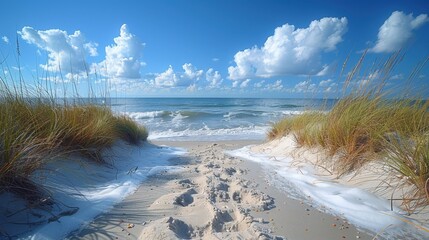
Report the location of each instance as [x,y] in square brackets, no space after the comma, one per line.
[129,131]
[410,158]
[36,131]
[353,129]
[365,125]
[305,128]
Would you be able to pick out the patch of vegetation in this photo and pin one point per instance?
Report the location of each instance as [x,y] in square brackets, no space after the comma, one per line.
[365,125]
[35,131]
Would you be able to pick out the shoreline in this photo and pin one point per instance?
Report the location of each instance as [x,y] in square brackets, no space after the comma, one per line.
[214,196]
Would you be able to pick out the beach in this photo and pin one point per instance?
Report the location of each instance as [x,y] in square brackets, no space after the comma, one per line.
[256,120]
[210,173]
[215,196]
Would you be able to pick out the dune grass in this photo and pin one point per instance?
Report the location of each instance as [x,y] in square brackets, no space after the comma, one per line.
[35,131]
[365,125]
[410,158]
[304,127]
[129,131]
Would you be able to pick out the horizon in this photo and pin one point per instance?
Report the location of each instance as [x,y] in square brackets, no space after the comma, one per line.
[417,98]
[187,49]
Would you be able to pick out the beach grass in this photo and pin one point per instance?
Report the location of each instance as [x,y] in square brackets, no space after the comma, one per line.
[304,127]
[35,131]
[410,158]
[368,124]
[129,131]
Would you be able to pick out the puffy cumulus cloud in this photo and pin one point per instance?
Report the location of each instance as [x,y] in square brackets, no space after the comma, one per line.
[397,30]
[188,77]
[191,72]
[66,52]
[290,50]
[123,58]
[5,39]
[213,78]
[167,78]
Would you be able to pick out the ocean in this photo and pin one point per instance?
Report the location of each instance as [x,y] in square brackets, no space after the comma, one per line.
[211,119]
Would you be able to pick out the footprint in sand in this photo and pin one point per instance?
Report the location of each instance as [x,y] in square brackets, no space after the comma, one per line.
[186,198]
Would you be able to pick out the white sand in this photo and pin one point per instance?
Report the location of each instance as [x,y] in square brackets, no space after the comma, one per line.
[214,196]
[364,196]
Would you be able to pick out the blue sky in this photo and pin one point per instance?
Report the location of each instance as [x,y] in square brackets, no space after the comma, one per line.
[222,48]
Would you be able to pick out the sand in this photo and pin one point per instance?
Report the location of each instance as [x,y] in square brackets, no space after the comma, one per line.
[214,196]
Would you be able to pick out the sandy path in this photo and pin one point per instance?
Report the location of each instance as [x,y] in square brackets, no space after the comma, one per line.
[214,196]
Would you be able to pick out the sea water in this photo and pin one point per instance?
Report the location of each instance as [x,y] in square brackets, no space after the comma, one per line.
[211,119]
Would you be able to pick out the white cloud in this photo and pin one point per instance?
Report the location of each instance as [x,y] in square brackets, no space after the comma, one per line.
[192,88]
[372,78]
[290,50]
[91,48]
[123,58]
[65,52]
[363,83]
[397,77]
[235,84]
[375,75]
[191,72]
[259,84]
[167,78]
[329,90]
[245,83]
[328,85]
[325,70]
[277,85]
[5,39]
[188,77]
[325,83]
[304,86]
[397,30]
[214,78]
[215,59]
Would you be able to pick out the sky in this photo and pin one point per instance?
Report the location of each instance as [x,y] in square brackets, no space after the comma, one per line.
[212,48]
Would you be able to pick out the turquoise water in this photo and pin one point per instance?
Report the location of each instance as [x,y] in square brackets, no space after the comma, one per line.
[184,119]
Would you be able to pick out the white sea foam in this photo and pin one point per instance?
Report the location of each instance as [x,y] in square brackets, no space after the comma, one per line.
[289,112]
[205,133]
[177,117]
[292,113]
[90,188]
[358,206]
[143,115]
